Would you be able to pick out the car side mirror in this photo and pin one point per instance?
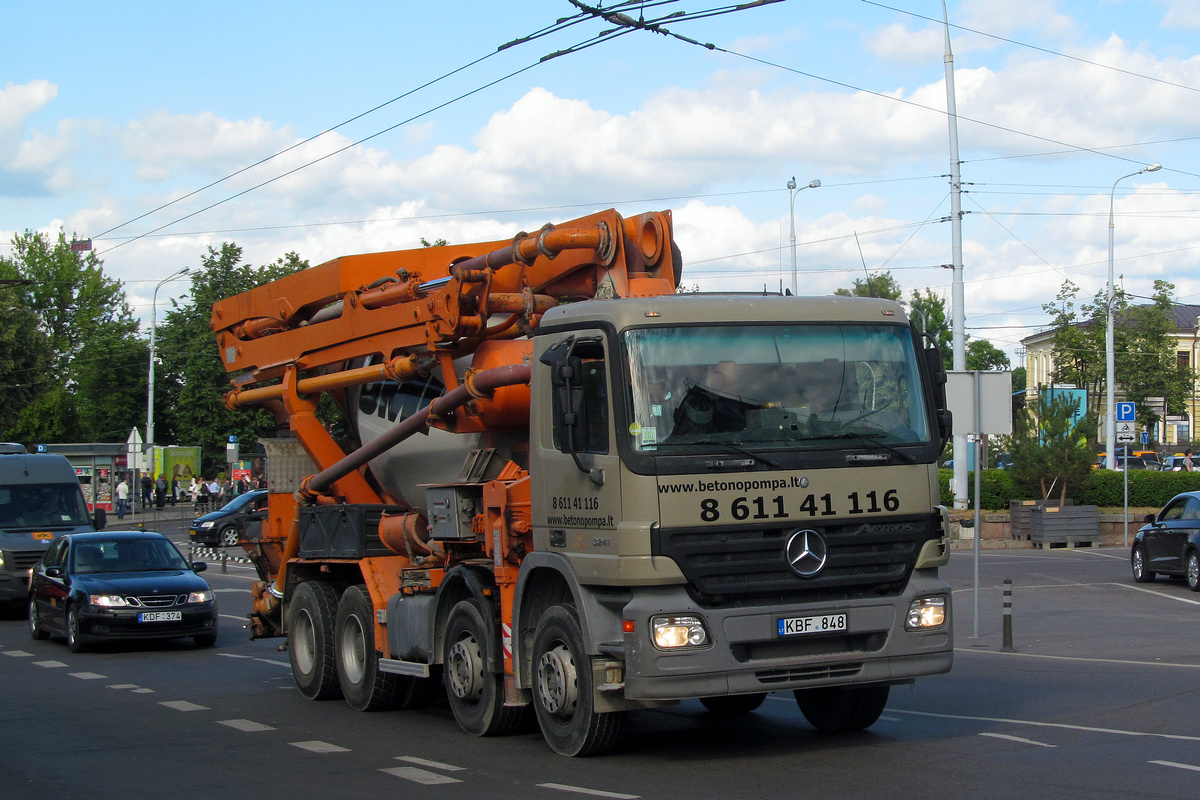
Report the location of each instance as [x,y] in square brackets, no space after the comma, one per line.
[1149,519]
[53,572]
[100,519]
[199,566]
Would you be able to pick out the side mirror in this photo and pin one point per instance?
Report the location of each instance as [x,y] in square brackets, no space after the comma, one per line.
[1149,519]
[199,566]
[99,519]
[54,572]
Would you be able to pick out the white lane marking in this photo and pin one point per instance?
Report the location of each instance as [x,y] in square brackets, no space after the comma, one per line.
[18,653]
[49,664]
[319,747]
[1176,764]
[886,718]
[418,775]
[245,725]
[287,664]
[123,686]
[143,691]
[425,762]
[562,787]
[1079,658]
[87,676]
[1156,593]
[1035,724]
[182,705]
[1017,739]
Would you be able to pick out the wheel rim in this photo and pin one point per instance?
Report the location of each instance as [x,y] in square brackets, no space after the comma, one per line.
[230,537]
[354,650]
[464,669]
[1138,564]
[1193,570]
[72,627]
[305,644]
[33,619]
[558,684]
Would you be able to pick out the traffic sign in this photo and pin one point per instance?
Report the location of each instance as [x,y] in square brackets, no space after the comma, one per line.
[1126,412]
[1145,437]
[1126,437]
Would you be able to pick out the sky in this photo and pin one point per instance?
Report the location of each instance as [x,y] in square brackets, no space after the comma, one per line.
[160,130]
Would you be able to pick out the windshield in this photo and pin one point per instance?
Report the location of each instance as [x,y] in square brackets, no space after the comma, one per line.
[782,386]
[45,505]
[127,555]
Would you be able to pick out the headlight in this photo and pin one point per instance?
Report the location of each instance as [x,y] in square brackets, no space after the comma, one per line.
[107,600]
[208,524]
[669,633]
[926,612]
[205,596]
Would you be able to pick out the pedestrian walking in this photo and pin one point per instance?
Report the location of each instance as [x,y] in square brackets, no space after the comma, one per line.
[1188,466]
[122,498]
[147,491]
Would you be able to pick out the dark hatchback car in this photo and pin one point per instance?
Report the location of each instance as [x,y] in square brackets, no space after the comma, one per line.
[227,524]
[120,585]
[1169,542]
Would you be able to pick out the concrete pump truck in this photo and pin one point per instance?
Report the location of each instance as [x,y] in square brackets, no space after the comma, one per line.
[572,491]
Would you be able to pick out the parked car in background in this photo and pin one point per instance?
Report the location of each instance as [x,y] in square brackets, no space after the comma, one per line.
[227,525]
[1169,542]
[1173,463]
[1150,456]
[119,584]
[1130,462]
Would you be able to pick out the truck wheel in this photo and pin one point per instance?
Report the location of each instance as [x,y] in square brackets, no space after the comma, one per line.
[310,623]
[75,639]
[364,687]
[842,708]
[230,536]
[35,625]
[734,703]
[1193,571]
[476,695]
[1138,562]
[562,690]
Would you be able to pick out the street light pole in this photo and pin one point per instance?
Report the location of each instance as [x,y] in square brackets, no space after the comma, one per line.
[792,189]
[1110,362]
[153,324]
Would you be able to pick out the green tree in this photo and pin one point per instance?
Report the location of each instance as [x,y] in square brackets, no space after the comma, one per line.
[1050,450]
[80,310]
[1019,379]
[928,312]
[1079,346]
[982,354]
[879,285]
[194,380]
[25,360]
[1146,365]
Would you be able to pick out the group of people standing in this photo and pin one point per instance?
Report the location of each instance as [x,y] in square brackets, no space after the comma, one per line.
[157,492]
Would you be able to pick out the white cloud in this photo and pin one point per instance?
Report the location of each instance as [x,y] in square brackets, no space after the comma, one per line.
[1182,14]
[163,143]
[897,43]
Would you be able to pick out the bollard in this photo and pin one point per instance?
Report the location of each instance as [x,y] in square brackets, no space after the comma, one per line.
[224,562]
[1008,633]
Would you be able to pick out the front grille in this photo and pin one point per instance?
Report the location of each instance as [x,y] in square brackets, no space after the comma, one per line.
[730,564]
[156,600]
[20,560]
[818,672]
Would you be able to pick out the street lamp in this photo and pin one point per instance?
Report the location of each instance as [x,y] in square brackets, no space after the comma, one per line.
[153,324]
[792,189]
[1110,363]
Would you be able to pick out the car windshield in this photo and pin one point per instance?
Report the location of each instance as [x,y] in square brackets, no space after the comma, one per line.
[781,386]
[127,555]
[43,506]
[239,501]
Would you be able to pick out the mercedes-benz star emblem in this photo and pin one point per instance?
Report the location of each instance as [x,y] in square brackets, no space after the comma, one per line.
[806,553]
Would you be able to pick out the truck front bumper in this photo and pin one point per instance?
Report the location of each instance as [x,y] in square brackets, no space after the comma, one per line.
[746,653]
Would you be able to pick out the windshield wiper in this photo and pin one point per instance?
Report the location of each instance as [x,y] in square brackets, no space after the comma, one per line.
[870,440]
[739,449]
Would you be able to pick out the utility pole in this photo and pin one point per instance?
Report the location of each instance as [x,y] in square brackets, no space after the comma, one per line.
[958,301]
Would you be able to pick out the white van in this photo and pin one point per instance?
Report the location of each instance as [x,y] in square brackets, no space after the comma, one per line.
[40,500]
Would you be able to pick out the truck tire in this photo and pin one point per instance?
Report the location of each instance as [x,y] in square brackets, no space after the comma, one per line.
[476,695]
[563,685]
[364,687]
[310,622]
[842,708]
[1137,562]
[734,703]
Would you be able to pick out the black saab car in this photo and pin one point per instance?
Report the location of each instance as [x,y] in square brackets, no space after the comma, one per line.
[227,525]
[119,584]
[1169,542]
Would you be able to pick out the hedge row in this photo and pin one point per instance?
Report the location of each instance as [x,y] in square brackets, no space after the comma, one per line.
[1102,487]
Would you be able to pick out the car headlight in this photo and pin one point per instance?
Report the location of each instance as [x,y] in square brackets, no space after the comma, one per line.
[205,596]
[926,612]
[670,632]
[208,524]
[107,600]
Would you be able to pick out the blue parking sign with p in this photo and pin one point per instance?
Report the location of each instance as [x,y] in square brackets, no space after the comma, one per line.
[1126,412]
